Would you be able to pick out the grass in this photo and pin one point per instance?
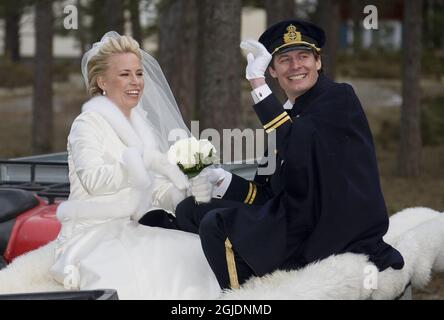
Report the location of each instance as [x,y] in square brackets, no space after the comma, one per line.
[369,64]
[380,64]
[22,74]
[15,142]
[426,189]
[15,125]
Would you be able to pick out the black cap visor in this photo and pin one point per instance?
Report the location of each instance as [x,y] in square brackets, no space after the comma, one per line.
[294,47]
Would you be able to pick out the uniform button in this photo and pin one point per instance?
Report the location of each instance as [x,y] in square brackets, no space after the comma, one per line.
[275,151]
[297,116]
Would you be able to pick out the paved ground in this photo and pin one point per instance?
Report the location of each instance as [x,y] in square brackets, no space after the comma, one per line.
[388,92]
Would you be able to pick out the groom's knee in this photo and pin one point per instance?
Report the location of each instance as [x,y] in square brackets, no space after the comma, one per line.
[185,215]
[211,229]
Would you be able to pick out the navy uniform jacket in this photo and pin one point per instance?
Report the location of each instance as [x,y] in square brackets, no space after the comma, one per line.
[325,198]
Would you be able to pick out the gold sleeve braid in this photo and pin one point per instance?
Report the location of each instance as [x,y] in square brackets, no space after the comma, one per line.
[277,122]
[252,191]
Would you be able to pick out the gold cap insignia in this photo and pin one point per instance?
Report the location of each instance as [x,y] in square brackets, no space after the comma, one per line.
[292,35]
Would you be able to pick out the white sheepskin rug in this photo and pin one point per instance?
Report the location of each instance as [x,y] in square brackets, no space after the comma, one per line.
[30,272]
[418,233]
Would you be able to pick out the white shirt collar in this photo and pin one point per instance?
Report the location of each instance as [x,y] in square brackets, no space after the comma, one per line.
[288,105]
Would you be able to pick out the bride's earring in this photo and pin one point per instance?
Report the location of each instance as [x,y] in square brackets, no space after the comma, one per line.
[104,93]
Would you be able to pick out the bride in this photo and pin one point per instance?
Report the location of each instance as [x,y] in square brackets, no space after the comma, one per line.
[118,172]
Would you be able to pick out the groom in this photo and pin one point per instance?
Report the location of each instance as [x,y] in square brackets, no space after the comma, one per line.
[324,197]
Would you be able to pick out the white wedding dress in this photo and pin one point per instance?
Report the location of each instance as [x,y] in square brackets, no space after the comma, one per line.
[143,262]
[101,245]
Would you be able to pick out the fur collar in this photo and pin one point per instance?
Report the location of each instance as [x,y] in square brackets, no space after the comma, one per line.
[134,132]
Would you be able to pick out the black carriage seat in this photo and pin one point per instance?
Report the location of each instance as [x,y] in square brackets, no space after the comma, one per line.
[15,201]
[101,294]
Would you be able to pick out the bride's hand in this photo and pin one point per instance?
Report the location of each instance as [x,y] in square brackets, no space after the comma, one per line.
[158,162]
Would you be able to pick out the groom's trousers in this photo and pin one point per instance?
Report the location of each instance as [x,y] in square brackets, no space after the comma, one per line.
[205,219]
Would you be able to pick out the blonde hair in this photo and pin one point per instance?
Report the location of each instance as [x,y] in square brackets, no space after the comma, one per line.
[99,62]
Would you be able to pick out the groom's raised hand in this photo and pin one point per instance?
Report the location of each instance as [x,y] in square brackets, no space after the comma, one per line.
[258,59]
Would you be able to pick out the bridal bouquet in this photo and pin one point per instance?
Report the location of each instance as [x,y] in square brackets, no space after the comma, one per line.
[192,155]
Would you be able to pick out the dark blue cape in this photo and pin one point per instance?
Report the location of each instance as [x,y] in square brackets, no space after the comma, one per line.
[325,198]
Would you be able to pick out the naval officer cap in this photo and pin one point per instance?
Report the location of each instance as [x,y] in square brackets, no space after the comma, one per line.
[293,35]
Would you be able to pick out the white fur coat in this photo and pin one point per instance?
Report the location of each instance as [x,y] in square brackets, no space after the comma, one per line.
[110,186]
[106,168]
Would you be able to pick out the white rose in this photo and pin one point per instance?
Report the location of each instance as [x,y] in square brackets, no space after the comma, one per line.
[193,146]
[205,148]
[184,152]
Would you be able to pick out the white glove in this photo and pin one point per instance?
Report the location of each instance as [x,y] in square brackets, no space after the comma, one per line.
[158,162]
[202,185]
[258,59]
[166,195]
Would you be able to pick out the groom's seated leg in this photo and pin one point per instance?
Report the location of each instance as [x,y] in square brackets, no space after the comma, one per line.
[230,269]
[189,214]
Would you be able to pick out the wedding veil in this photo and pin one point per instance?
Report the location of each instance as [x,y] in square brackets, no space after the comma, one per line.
[162,112]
